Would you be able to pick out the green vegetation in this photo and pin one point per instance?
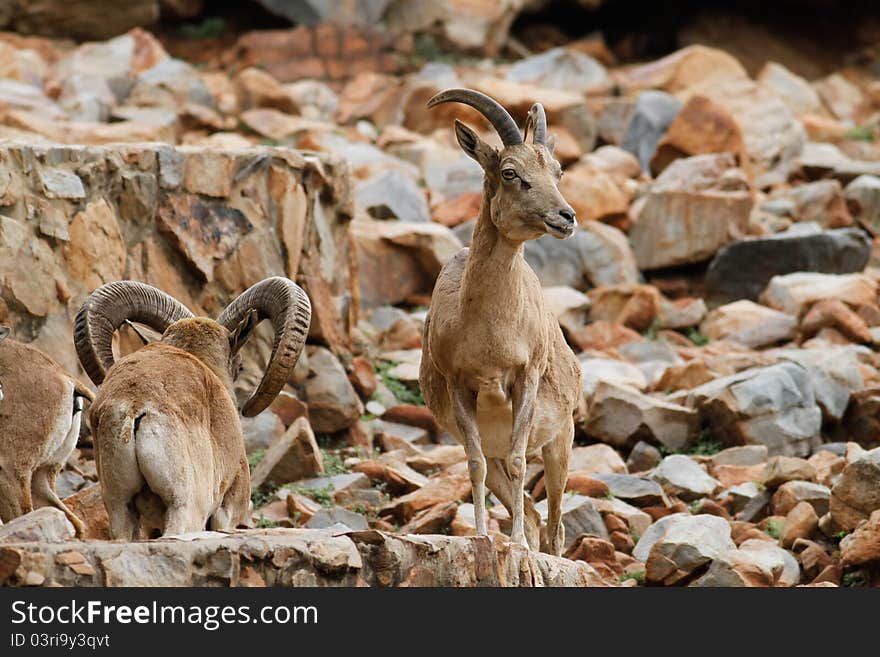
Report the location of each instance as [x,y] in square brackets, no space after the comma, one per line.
[696,337]
[839,536]
[333,463]
[255,457]
[855,578]
[263,495]
[651,332]
[859,133]
[265,523]
[774,528]
[323,495]
[210,28]
[705,445]
[402,392]
[638,576]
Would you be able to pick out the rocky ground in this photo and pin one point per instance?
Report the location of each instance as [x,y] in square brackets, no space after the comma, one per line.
[721,295]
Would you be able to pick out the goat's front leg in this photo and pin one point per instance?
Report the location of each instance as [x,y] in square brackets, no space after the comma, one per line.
[524,395]
[464,404]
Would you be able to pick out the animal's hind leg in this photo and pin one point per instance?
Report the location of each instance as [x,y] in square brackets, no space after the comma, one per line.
[123,519]
[233,511]
[464,407]
[502,485]
[10,491]
[182,519]
[556,454]
[43,485]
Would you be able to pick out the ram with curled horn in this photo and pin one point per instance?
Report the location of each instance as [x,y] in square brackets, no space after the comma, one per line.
[169,446]
[496,370]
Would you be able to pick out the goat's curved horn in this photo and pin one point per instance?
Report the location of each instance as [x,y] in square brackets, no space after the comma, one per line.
[500,119]
[537,119]
[284,303]
[107,308]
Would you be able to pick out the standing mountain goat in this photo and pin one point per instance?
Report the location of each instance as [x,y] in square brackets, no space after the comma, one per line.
[40,416]
[170,451]
[496,370]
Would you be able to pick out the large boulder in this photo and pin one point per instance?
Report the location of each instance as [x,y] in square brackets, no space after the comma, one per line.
[621,416]
[857,494]
[773,406]
[793,293]
[750,324]
[676,546]
[696,206]
[741,270]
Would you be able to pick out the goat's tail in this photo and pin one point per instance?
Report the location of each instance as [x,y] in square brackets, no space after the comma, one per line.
[80,390]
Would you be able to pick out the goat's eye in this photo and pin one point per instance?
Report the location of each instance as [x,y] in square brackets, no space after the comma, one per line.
[508,174]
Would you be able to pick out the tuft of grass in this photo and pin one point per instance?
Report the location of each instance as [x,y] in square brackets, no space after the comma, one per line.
[263,495]
[706,444]
[855,578]
[639,576]
[333,463]
[696,337]
[402,392]
[859,133]
[264,523]
[651,332]
[210,28]
[839,536]
[774,528]
[323,495]
[255,457]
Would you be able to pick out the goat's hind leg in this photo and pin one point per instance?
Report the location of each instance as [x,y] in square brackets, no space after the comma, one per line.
[43,485]
[500,483]
[556,455]
[523,398]
[464,408]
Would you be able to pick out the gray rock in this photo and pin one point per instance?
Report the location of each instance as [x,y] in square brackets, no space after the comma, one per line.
[682,477]
[653,113]
[857,494]
[642,457]
[863,200]
[60,183]
[68,482]
[261,431]
[773,406]
[392,195]
[312,12]
[792,493]
[755,563]
[756,507]
[743,269]
[335,484]
[560,68]
[834,374]
[384,317]
[46,524]
[338,516]
[636,490]
[741,455]
[579,516]
[677,545]
[170,83]
[333,403]
[621,416]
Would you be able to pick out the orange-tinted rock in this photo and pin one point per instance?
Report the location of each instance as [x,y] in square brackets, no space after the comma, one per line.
[833,313]
[700,127]
[601,335]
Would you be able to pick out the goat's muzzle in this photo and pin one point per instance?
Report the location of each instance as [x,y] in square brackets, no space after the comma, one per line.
[561,224]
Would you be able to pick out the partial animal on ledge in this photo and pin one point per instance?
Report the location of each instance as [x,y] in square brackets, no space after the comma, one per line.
[40,415]
[169,447]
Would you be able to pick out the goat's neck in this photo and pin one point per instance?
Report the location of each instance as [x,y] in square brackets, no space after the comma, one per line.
[492,269]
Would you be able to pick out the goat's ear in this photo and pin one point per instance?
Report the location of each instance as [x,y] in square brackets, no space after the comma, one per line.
[475,147]
[146,334]
[551,144]
[4,331]
[239,335]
